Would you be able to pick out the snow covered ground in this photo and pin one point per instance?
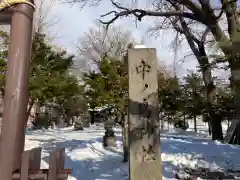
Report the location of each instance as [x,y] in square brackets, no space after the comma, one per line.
[90,161]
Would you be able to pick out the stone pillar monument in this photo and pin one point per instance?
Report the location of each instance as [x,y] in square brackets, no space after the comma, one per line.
[144,133]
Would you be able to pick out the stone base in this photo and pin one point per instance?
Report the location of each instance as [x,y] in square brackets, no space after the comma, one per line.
[109,141]
[86,125]
[78,128]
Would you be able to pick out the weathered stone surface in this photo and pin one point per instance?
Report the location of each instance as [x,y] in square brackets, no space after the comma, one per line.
[81,122]
[78,124]
[61,122]
[86,121]
[144,140]
[109,139]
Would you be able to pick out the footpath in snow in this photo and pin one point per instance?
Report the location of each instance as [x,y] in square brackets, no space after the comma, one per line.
[90,161]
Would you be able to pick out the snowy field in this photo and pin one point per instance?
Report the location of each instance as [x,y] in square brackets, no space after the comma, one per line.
[90,161]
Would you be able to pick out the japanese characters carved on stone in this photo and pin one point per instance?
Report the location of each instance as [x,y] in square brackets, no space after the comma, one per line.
[143,68]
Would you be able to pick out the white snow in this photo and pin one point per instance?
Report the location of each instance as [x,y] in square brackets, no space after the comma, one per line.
[140,46]
[90,161]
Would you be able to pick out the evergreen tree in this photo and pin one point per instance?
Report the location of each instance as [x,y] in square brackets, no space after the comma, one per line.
[109,86]
[49,80]
[169,97]
[194,91]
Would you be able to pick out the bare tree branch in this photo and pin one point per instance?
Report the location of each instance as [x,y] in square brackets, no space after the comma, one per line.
[82,3]
[140,13]
[44,20]
[99,42]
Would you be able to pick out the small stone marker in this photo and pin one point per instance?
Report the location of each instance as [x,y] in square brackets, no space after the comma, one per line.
[144,133]
[78,124]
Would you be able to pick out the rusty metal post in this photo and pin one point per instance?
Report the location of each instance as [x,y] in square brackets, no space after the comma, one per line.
[16,91]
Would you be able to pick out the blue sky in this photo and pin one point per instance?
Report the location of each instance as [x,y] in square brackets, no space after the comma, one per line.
[73,22]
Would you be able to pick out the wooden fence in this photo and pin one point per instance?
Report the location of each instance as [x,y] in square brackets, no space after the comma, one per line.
[30,166]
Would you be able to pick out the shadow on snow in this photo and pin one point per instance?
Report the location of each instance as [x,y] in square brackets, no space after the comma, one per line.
[106,164]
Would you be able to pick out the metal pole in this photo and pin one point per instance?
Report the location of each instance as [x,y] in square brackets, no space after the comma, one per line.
[16,91]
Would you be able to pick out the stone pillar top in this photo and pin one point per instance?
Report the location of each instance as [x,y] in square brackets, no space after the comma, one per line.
[139,46]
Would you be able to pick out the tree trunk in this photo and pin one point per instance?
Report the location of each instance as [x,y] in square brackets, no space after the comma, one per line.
[161,120]
[31,103]
[168,121]
[125,137]
[200,53]
[209,128]
[184,119]
[195,120]
[234,62]
[92,117]
[194,110]
[216,126]
[230,47]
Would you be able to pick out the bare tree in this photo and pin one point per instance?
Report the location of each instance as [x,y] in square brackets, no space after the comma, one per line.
[44,19]
[99,42]
[197,42]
